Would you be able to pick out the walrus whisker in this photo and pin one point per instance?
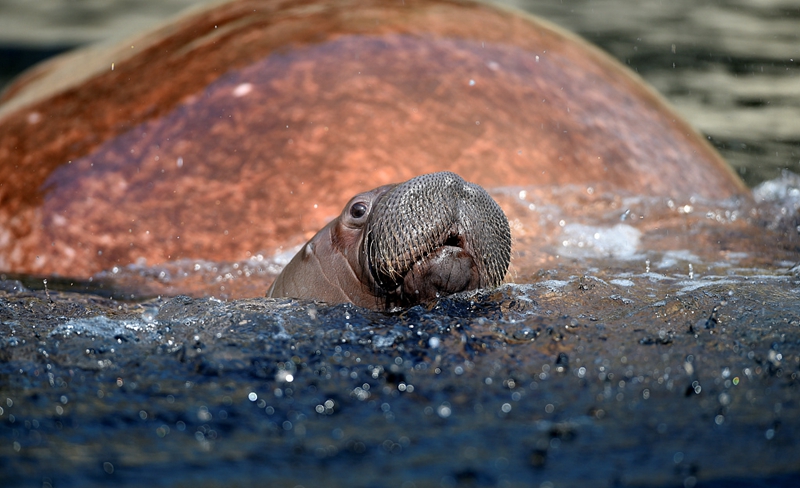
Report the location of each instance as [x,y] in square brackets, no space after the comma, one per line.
[416,218]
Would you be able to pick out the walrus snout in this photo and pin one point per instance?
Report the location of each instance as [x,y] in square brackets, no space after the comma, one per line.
[400,245]
[434,235]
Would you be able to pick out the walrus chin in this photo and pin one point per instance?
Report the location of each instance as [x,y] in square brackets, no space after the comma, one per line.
[448,269]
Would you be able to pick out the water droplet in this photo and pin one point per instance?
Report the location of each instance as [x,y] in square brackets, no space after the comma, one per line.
[242,90]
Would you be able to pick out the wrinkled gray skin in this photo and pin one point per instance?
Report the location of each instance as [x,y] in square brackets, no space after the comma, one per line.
[404,244]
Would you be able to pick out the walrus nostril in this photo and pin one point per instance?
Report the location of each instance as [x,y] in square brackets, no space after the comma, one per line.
[454,240]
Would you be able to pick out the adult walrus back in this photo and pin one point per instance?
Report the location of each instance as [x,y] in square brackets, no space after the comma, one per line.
[238,130]
[400,245]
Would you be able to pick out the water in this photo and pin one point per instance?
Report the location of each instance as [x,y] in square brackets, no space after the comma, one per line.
[582,381]
[729,67]
[664,360]
[641,341]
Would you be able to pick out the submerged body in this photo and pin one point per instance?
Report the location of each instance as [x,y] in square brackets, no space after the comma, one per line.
[404,244]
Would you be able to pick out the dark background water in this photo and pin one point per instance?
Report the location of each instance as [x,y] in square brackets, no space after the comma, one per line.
[731,67]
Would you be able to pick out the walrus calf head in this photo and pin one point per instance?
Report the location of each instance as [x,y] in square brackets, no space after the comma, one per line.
[404,244]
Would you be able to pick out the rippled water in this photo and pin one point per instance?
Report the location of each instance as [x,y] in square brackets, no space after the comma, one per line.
[637,379]
[625,354]
[730,67]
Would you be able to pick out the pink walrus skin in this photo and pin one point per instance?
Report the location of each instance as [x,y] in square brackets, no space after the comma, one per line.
[242,128]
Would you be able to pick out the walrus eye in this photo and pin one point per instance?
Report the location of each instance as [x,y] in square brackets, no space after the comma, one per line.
[358,210]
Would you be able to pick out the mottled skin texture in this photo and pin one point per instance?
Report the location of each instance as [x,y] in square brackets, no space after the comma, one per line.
[403,244]
[239,131]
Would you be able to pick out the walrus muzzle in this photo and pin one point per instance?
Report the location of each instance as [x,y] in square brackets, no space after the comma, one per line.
[435,235]
[400,245]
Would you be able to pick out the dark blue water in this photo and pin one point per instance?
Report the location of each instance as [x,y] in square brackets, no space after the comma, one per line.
[583,377]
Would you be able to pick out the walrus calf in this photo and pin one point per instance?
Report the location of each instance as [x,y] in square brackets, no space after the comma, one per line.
[223,136]
[403,244]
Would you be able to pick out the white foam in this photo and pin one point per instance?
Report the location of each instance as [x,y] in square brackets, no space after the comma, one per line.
[102,327]
[625,283]
[620,241]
